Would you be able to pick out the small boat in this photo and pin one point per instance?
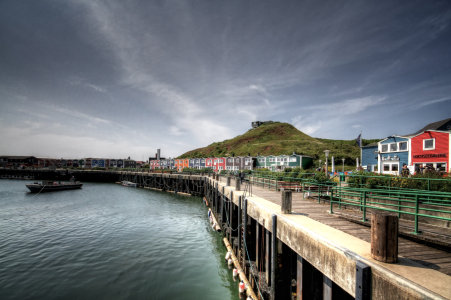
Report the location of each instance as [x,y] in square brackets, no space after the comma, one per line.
[51,186]
[129,184]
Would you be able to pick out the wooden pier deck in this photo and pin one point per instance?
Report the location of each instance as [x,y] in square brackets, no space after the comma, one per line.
[342,220]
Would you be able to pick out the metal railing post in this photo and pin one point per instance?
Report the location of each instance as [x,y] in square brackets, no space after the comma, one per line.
[417,204]
[331,203]
[364,206]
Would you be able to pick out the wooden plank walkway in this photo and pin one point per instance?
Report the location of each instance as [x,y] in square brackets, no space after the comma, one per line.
[427,256]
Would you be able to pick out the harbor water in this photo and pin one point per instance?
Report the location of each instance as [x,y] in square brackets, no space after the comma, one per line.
[107,241]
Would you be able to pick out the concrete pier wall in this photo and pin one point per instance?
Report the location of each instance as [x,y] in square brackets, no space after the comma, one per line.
[335,254]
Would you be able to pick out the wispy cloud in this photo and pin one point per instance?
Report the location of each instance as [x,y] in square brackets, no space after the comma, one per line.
[423,104]
[76,81]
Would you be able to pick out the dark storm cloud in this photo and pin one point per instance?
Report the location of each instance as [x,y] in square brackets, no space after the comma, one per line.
[104,78]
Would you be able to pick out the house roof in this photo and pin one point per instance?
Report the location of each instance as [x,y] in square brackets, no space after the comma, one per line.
[16,157]
[370,145]
[432,126]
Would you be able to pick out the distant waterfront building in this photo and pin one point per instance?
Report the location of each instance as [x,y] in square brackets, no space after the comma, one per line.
[279,163]
[256,124]
[16,161]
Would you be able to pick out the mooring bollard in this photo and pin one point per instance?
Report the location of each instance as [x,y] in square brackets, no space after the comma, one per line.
[237,184]
[286,202]
[228,180]
[384,236]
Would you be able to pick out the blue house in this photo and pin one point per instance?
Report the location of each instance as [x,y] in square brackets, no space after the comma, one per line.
[393,154]
[101,163]
[191,163]
[164,163]
[202,163]
[171,163]
[120,163]
[370,157]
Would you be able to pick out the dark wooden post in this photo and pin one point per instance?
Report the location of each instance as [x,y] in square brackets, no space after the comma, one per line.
[237,184]
[239,223]
[228,180]
[384,237]
[286,202]
[258,230]
[223,207]
[231,205]
[273,255]
[268,257]
[327,288]
[299,278]
[245,241]
[362,281]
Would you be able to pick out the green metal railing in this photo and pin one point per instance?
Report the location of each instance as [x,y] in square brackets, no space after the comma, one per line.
[386,193]
[365,181]
[434,205]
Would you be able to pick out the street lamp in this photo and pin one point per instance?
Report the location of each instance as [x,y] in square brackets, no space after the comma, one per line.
[327,155]
[343,164]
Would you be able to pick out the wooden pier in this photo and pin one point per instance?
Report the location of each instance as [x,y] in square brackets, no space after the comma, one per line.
[293,248]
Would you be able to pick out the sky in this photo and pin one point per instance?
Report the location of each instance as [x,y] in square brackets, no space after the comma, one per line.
[113,79]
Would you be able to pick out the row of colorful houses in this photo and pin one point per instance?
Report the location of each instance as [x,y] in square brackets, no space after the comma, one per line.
[232,163]
[47,162]
[429,146]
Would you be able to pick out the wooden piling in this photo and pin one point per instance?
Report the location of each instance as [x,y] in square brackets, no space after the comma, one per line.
[228,180]
[236,263]
[286,202]
[384,236]
[273,255]
[237,184]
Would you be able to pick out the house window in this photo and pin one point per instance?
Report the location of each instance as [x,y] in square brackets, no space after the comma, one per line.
[237,160]
[403,146]
[293,159]
[386,168]
[394,147]
[385,148]
[429,144]
[230,160]
[221,161]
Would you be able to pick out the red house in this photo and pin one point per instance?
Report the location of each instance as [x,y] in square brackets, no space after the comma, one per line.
[431,147]
[219,164]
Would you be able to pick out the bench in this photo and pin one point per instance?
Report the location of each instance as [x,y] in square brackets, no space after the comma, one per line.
[315,188]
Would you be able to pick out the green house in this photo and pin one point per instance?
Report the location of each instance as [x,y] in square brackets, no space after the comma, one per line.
[279,163]
[260,162]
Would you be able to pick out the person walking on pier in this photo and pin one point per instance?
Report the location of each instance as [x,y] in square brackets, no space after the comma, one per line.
[242,177]
[405,171]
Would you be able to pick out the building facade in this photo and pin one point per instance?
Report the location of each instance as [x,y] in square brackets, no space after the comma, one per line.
[431,148]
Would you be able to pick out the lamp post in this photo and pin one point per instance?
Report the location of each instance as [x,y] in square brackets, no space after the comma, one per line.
[327,155]
[343,164]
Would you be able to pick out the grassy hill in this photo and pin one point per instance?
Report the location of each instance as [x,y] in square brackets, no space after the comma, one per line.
[281,138]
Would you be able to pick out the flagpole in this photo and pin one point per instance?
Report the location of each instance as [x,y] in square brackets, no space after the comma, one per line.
[361,147]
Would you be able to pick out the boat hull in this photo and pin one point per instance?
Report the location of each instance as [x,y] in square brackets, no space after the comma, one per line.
[38,188]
